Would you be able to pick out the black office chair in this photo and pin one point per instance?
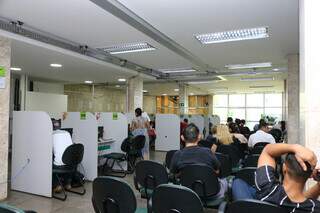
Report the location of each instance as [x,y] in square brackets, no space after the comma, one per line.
[258,148]
[247,175]
[233,153]
[277,134]
[148,175]
[4,208]
[226,165]
[250,206]
[71,157]
[113,195]
[169,155]
[203,181]
[169,198]
[250,161]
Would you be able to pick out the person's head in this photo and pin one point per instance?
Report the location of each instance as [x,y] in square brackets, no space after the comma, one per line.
[283,125]
[229,120]
[293,170]
[138,112]
[263,125]
[242,122]
[233,127]
[223,134]
[237,121]
[191,134]
[185,120]
[214,130]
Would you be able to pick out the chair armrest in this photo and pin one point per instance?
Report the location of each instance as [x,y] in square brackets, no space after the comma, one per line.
[149,206]
[136,185]
[222,207]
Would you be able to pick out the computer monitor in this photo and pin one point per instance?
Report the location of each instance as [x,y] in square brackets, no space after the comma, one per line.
[56,124]
[70,130]
[100,132]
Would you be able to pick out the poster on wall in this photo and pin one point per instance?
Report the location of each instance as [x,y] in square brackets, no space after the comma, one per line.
[2,77]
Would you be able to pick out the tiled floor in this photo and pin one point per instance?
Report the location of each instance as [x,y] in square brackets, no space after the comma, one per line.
[74,203]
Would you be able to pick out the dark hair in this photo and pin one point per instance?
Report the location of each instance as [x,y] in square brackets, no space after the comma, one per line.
[262,123]
[237,121]
[294,168]
[138,112]
[186,120]
[234,128]
[229,119]
[191,133]
[243,121]
[283,125]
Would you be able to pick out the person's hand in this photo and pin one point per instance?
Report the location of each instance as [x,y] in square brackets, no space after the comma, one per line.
[316,174]
[303,155]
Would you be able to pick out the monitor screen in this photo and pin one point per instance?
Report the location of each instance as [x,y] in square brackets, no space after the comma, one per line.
[100,132]
[56,124]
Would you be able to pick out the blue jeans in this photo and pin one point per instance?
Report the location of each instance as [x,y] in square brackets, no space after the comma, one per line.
[241,190]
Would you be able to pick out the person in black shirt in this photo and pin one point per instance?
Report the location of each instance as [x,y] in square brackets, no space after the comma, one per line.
[193,154]
[298,167]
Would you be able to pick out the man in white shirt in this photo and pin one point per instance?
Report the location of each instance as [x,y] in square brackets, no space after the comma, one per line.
[261,135]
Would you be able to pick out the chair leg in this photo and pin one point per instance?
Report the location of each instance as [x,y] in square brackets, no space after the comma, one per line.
[113,172]
[64,192]
[82,192]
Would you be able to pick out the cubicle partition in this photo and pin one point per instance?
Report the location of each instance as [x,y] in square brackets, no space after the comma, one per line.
[198,120]
[85,131]
[32,153]
[168,132]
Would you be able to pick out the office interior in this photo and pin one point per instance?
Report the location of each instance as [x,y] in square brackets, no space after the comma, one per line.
[85,65]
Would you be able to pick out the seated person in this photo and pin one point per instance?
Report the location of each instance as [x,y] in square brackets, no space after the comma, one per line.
[261,135]
[234,130]
[61,141]
[298,167]
[241,190]
[193,154]
[244,129]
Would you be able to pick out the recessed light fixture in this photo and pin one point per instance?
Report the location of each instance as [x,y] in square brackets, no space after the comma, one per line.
[191,93]
[145,91]
[56,65]
[233,35]
[15,69]
[258,79]
[262,86]
[222,78]
[121,79]
[176,90]
[117,86]
[177,70]
[248,66]
[276,69]
[88,82]
[164,94]
[218,88]
[201,82]
[129,48]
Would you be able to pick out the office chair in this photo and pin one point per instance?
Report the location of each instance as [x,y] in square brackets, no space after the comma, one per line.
[148,175]
[4,208]
[247,175]
[71,157]
[258,148]
[226,165]
[277,134]
[169,198]
[113,195]
[250,206]
[203,181]
[169,155]
[250,161]
[233,153]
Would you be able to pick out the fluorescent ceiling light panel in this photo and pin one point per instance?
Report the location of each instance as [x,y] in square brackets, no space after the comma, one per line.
[176,90]
[118,86]
[262,86]
[202,82]
[177,70]
[15,69]
[248,66]
[191,93]
[164,94]
[88,82]
[56,65]
[233,35]
[258,79]
[129,48]
[218,88]
[121,79]
[145,91]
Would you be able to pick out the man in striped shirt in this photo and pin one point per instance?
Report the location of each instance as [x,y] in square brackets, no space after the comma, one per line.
[299,165]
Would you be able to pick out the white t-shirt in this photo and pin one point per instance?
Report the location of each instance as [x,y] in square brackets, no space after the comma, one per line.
[145,115]
[61,141]
[260,136]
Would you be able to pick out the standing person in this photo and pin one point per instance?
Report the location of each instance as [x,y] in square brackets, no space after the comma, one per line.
[183,125]
[140,126]
[261,135]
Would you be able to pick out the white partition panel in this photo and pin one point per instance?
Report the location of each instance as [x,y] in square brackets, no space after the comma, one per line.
[85,131]
[215,120]
[198,120]
[32,153]
[130,116]
[168,132]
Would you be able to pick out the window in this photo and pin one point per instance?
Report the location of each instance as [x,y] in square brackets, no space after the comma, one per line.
[274,112]
[254,114]
[237,100]
[254,100]
[222,112]
[237,113]
[273,100]
[220,101]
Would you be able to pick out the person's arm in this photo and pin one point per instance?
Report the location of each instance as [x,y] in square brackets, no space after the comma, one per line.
[272,151]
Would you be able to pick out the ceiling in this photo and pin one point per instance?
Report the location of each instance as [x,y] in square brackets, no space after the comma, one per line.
[83,22]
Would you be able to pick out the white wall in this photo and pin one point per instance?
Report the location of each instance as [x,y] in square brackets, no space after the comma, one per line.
[45,87]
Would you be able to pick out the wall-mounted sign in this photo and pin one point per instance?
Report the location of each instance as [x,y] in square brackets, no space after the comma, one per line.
[83,115]
[2,77]
[114,116]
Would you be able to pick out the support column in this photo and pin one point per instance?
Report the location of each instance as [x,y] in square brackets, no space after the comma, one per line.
[183,99]
[292,89]
[5,55]
[134,93]
[24,84]
[210,104]
[309,74]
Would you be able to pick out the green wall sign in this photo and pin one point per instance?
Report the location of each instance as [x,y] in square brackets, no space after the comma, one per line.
[83,115]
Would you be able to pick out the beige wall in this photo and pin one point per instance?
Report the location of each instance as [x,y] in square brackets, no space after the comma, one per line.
[149,104]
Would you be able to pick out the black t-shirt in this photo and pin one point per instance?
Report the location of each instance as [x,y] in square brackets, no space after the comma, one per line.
[194,155]
[270,190]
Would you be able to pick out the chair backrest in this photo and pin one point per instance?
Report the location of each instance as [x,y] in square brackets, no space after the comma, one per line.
[73,154]
[126,145]
[112,195]
[139,142]
[169,156]
[226,164]
[4,208]
[232,151]
[277,134]
[150,174]
[247,175]
[263,144]
[253,206]
[251,161]
[201,179]
[168,198]
[258,148]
